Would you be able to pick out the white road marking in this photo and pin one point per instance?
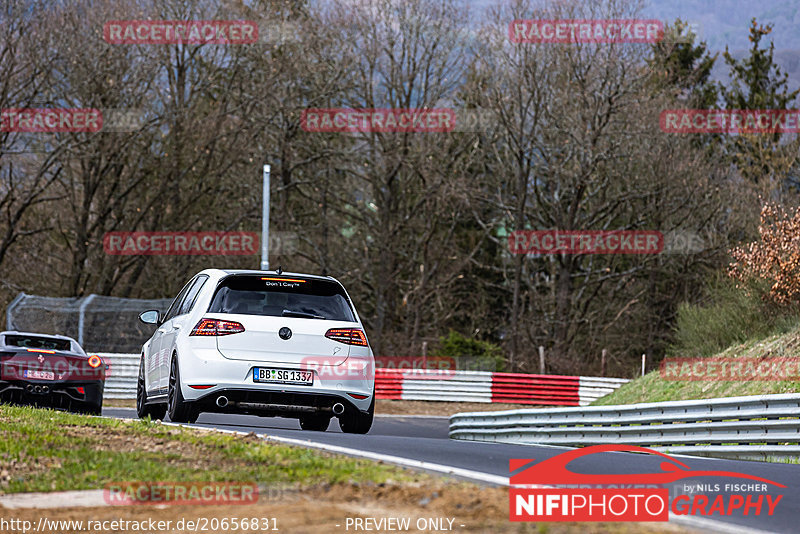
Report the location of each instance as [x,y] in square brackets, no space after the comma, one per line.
[398,460]
[685,520]
[55,499]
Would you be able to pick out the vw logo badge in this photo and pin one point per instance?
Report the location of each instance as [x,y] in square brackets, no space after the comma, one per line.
[285,333]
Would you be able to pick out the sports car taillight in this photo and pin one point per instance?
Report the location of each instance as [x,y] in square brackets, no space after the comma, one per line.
[216,327]
[349,336]
[43,351]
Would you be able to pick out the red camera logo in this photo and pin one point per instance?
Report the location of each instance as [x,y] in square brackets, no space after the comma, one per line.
[535,495]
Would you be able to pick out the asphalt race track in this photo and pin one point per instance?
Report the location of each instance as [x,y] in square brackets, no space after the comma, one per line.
[425,439]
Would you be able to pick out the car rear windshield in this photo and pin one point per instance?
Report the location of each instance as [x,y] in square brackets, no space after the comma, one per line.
[36,342]
[282,296]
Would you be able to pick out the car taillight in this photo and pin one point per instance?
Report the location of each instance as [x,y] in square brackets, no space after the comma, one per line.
[216,327]
[350,336]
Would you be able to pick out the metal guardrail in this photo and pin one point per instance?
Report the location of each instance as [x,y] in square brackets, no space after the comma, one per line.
[427,384]
[482,386]
[753,427]
[122,372]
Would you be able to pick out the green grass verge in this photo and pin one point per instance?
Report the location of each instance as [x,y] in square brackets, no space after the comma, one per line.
[45,450]
[653,388]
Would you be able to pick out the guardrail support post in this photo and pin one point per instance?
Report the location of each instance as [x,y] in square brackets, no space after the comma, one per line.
[82,316]
[10,309]
[603,363]
[541,360]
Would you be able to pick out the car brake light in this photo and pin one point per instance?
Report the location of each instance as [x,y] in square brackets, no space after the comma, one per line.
[216,327]
[201,386]
[95,361]
[81,390]
[349,336]
[358,396]
[44,351]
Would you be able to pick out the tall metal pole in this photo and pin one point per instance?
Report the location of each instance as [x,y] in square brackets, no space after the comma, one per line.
[265,222]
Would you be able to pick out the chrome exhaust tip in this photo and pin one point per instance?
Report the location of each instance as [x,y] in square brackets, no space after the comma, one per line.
[222,401]
[29,388]
[338,408]
[45,389]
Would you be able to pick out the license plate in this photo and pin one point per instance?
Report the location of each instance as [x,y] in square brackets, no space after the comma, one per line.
[39,375]
[283,376]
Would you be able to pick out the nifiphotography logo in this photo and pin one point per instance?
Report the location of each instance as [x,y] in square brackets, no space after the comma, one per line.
[549,491]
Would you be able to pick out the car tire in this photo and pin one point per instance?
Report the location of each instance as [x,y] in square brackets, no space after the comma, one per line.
[318,423]
[178,409]
[144,410]
[353,421]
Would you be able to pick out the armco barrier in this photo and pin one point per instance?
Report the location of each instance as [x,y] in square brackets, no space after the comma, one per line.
[753,427]
[122,372]
[429,385]
[482,386]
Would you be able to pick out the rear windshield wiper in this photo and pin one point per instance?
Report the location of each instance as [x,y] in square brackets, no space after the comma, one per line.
[292,313]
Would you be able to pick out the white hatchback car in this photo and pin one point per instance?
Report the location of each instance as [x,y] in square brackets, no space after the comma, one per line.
[263,343]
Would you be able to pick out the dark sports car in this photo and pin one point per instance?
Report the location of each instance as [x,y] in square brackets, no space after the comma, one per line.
[50,371]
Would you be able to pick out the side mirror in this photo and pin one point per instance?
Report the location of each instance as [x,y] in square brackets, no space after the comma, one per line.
[150,317]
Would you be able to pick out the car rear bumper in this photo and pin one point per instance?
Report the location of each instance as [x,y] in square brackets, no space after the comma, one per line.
[273,403]
[202,368]
[52,394]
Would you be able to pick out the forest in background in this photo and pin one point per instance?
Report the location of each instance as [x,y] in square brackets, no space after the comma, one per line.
[414,224]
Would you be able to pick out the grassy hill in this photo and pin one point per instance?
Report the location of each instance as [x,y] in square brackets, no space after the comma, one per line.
[653,388]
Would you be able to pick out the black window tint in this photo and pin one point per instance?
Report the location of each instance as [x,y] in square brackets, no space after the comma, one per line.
[282,296]
[173,309]
[34,342]
[191,295]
